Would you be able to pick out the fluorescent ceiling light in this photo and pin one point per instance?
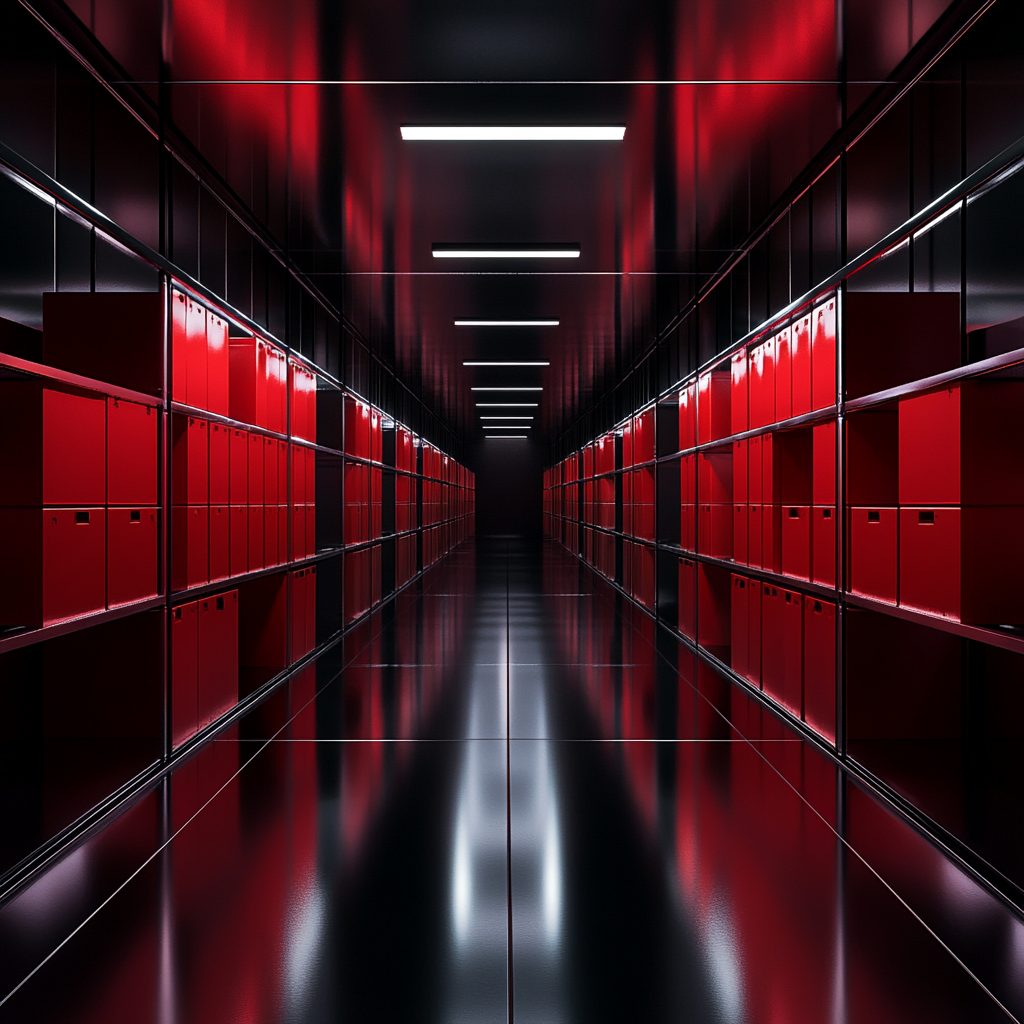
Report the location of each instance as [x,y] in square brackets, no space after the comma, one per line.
[506,364]
[506,405]
[506,389]
[498,426]
[513,133]
[505,437]
[508,251]
[506,323]
[506,417]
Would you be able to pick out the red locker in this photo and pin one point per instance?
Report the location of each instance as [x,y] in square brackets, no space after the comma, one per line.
[132,551]
[800,364]
[179,347]
[376,435]
[190,541]
[191,461]
[52,446]
[755,592]
[740,472]
[238,492]
[823,355]
[714,477]
[823,545]
[755,513]
[310,529]
[740,539]
[796,541]
[792,698]
[772,642]
[238,562]
[220,542]
[687,598]
[270,472]
[217,683]
[184,672]
[299,592]
[298,399]
[297,456]
[196,359]
[824,474]
[55,562]
[218,365]
[277,390]
[687,526]
[248,380]
[771,538]
[755,470]
[687,421]
[282,472]
[873,543]
[357,428]
[714,416]
[131,453]
[271,555]
[643,438]
[310,482]
[256,538]
[282,534]
[820,667]
[739,400]
[220,464]
[714,606]
[687,480]
[783,377]
[257,444]
[740,626]
[714,530]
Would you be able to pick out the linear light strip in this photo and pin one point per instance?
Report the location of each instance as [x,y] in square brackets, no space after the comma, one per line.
[505,437]
[506,405]
[506,254]
[506,417]
[506,323]
[493,363]
[513,133]
[498,426]
[506,389]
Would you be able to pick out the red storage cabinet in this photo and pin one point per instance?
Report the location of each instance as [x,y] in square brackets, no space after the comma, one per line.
[739,401]
[190,461]
[771,538]
[255,532]
[740,479]
[874,563]
[796,541]
[179,347]
[772,642]
[190,525]
[740,626]
[823,355]
[800,365]
[792,697]
[687,417]
[820,667]
[257,446]
[271,476]
[184,672]
[238,562]
[131,453]
[132,555]
[783,377]
[643,439]
[271,554]
[196,356]
[217,676]
[755,539]
[220,464]
[218,365]
[220,542]
[714,416]
[823,545]
[249,384]
[238,489]
[740,534]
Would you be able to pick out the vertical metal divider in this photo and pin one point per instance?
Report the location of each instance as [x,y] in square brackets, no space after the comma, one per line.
[842,539]
[165,496]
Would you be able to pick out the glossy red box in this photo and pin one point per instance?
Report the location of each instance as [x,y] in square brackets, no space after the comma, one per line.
[282,472]
[604,455]
[218,365]
[310,529]
[52,446]
[298,526]
[217,685]
[277,390]
[823,355]
[132,553]
[740,537]
[740,626]
[297,457]
[823,545]
[800,364]
[820,667]
[961,446]
[249,380]
[754,538]
[824,472]
[256,559]
[271,555]
[190,461]
[796,541]
[179,347]
[131,453]
[357,428]
[687,527]
[220,542]
[184,672]
[196,357]
[282,534]
[687,480]
[772,642]
[714,530]
[257,445]
[792,698]
[238,562]
[271,475]
[687,419]
[714,416]
[771,538]
[714,609]
[238,491]
[220,463]
[190,541]
[297,387]
[714,477]
[783,377]
[761,370]
[643,439]
[874,561]
[739,400]
[755,470]
[643,575]
[754,596]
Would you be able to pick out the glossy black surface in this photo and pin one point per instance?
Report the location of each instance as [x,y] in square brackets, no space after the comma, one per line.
[507,797]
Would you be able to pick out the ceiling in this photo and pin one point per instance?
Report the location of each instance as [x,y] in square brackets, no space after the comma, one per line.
[724,102]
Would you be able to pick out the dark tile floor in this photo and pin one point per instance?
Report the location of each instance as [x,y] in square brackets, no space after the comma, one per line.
[506,797]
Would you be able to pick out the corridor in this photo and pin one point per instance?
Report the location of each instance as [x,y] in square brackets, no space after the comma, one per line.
[506,796]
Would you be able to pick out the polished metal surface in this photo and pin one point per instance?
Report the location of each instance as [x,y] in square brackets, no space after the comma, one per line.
[508,798]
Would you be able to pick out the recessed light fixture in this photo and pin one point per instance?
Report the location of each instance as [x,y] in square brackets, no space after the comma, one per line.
[506,417]
[506,389]
[506,437]
[506,323]
[509,251]
[498,426]
[506,405]
[513,133]
[541,363]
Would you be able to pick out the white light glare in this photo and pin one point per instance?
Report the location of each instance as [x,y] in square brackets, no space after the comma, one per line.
[498,426]
[506,417]
[505,364]
[507,254]
[506,323]
[506,405]
[505,437]
[506,389]
[513,133]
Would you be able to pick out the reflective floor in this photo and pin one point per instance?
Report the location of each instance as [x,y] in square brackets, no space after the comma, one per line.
[505,797]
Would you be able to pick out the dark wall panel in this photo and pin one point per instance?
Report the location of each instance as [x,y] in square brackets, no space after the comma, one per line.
[509,488]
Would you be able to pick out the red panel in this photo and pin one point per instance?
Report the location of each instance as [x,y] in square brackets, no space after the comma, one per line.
[792,652]
[783,377]
[247,390]
[823,544]
[823,355]
[220,464]
[755,513]
[687,526]
[197,362]
[256,538]
[271,556]
[770,467]
[310,529]
[282,472]
[930,560]
[687,419]
[220,542]
[277,390]
[796,541]
[754,589]
[270,472]
[298,462]
[820,667]
[184,672]
[740,472]
[217,687]
[132,539]
[298,399]
[755,470]
[687,479]
[74,562]
[800,362]
[310,476]
[740,626]
[714,603]
[873,553]
[239,539]
[643,438]
[191,461]
[714,530]
[714,417]
[714,477]
[643,575]
[238,492]
[771,538]
[739,401]
[256,447]
[179,346]
[190,541]
[218,365]
[282,534]
[740,539]
[131,453]
[824,474]
[772,642]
